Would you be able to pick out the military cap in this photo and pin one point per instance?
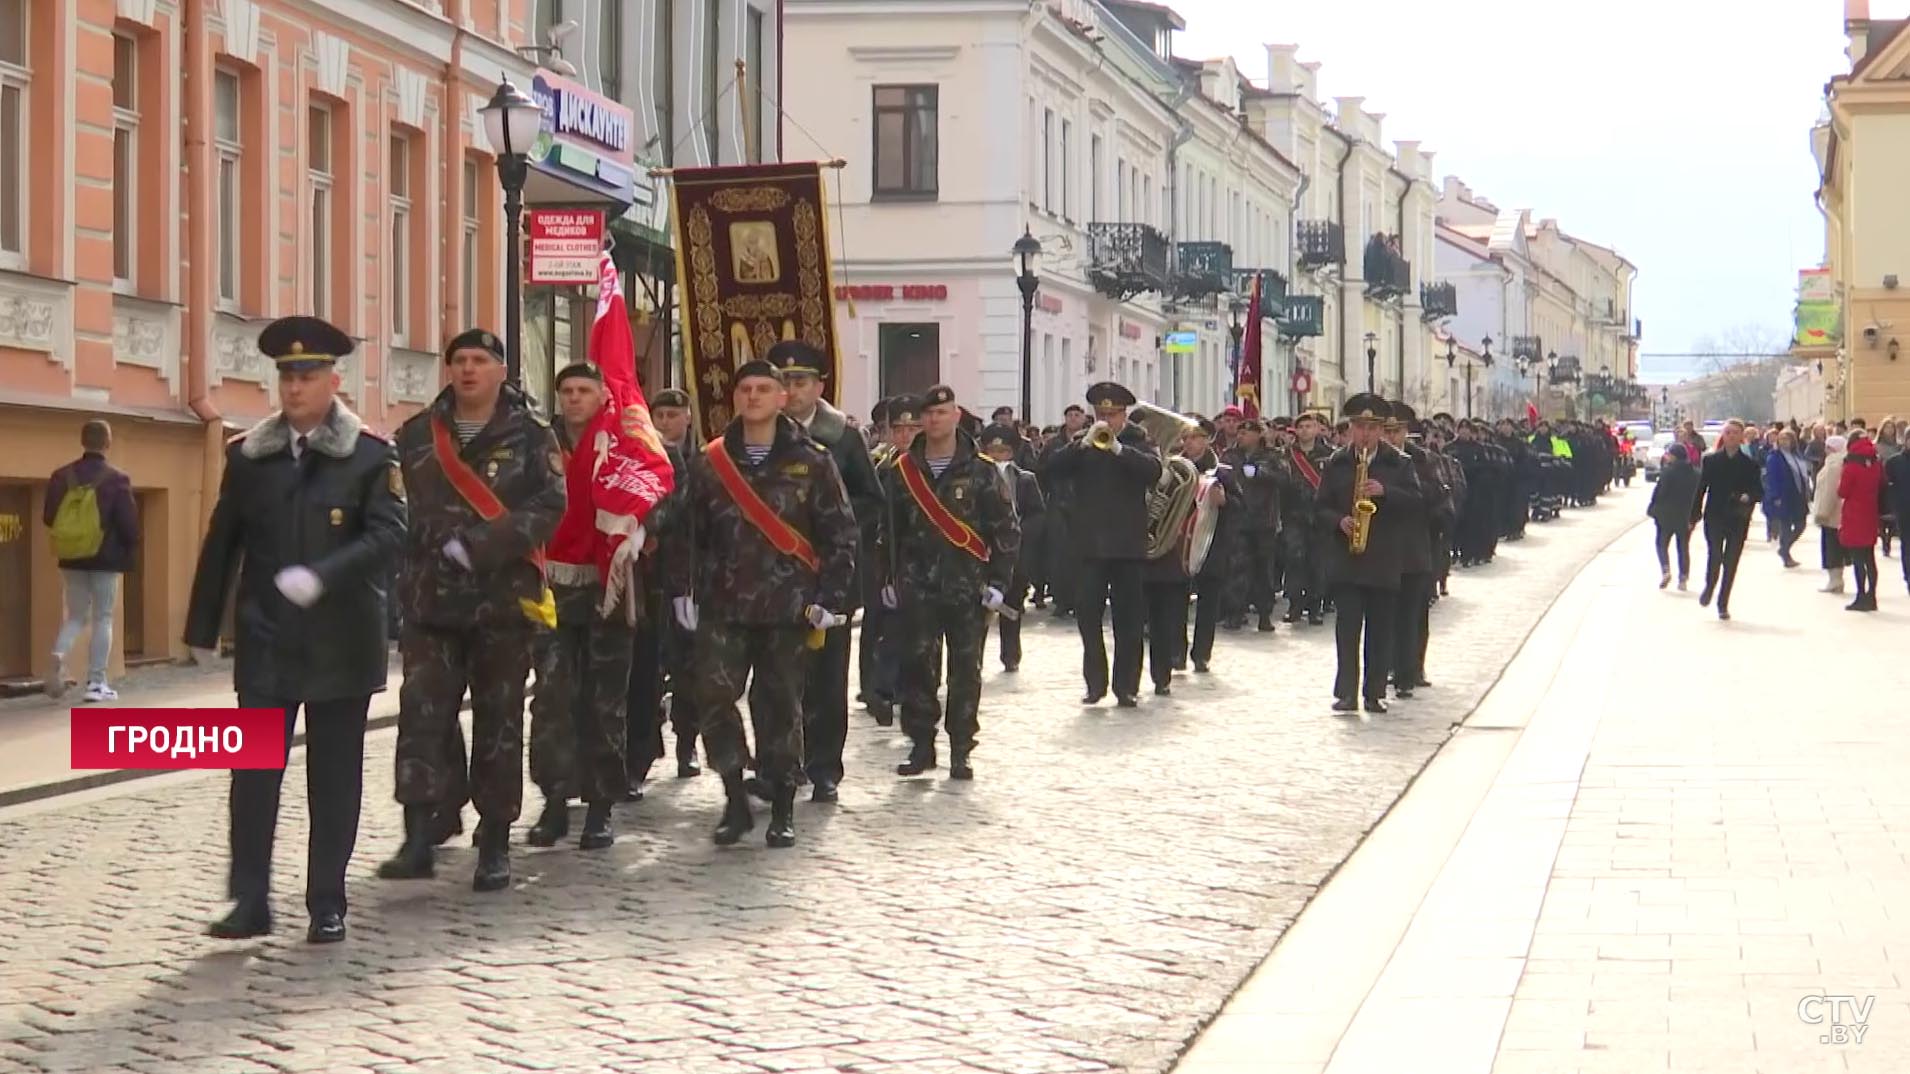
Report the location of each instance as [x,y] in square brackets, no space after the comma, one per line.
[1252,425]
[755,367]
[475,339]
[1311,415]
[879,413]
[1401,416]
[1108,393]
[1365,406]
[797,356]
[676,397]
[1282,422]
[905,410]
[1000,434]
[1206,427]
[939,395]
[297,344]
[970,424]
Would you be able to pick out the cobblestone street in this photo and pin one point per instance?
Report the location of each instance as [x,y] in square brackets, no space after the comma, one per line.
[1085,905]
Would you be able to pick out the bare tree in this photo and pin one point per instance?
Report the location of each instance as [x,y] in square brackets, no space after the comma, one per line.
[1741,370]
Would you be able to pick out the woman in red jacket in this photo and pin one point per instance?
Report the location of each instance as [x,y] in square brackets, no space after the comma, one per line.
[1861,489]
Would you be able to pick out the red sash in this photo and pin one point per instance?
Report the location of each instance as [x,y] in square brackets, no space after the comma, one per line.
[781,535]
[468,484]
[1307,470]
[953,530]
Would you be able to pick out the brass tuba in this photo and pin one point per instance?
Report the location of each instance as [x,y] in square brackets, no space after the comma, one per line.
[1363,506]
[1171,499]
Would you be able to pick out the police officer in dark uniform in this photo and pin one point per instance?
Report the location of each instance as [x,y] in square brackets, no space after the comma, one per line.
[1365,584]
[486,480]
[954,542]
[1058,492]
[1003,444]
[1112,466]
[310,513]
[1417,537]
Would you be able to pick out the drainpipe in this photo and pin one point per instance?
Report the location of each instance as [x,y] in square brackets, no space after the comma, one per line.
[1340,174]
[451,227]
[199,310]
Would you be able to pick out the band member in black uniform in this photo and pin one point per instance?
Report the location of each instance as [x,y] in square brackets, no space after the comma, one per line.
[884,687]
[1418,537]
[311,510]
[1258,472]
[1112,466]
[1002,443]
[874,615]
[1300,532]
[1217,574]
[1058,490]
[1365,581]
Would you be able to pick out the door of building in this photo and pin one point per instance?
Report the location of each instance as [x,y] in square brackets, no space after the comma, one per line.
[911,358]
[16,540]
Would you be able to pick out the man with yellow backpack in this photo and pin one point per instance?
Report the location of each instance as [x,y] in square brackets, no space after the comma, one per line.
[95,528]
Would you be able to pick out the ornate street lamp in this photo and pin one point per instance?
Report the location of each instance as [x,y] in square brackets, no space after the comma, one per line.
[1027,259]
[512,122]
[1372,355]
[1236,329]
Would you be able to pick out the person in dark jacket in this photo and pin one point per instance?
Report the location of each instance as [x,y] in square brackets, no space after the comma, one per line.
[1787,493]
[1670,509]
[1057,491]
[92,582]
[1109,538]
[1729,485]
[1003,444]
[1897,482]
[1412,619]
[310,512]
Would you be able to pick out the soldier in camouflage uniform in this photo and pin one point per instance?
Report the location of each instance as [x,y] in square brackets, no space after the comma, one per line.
[1258,474]
[774,544]
[472,590]
[951,550]
[1305,583]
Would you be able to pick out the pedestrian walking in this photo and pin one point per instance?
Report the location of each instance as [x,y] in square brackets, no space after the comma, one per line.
[1672,500]
[1787,494]
[1729,484]
[1827,508]
[1897,479]
[310,512]
[1861,489]
[93,524]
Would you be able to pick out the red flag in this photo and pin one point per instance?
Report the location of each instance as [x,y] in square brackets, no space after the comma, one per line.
[1531,416]
[1247,378]
[629,471]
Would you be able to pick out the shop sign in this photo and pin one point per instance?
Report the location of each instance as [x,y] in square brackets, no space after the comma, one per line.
[1047,303]
[585,135]
[889,292]
[565,244]
[1130,330]
[1182,342]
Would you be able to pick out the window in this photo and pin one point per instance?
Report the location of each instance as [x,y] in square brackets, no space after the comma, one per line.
[1120,191]
[663,75]
[1047,159]
[226,138]
[1067,189]
[318,173]
[1094,177]
[125,156]
[468,249]
[400,183]
[13,121]
[610,50]
[758,73]
[905,141]
[713,67]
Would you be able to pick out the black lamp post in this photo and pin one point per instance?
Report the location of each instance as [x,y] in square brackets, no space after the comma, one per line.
[1027,251]
[1485,359]
[1236,329]
[1372,354]
[512,122]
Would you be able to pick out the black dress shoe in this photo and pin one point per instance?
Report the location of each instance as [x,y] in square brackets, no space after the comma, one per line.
[686,766]
[552,825]
[1404,694]
[598,833]
[1094,698]
[1009,669]
[1375,705]
[823,790]
[328,926]
[1163,690]
[1266,624]
[247,919]
[921,759]
[1126,701]
[1704,598]
[1200,667]
[1345,704]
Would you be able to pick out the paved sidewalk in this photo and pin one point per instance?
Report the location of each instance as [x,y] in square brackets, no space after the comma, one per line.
[1655,842]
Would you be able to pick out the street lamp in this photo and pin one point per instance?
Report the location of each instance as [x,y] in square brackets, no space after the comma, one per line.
[1372,354]
[512,121]
[1027,258]
[1236,329]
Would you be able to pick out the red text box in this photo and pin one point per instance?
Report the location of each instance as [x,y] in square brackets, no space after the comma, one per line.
[159,739]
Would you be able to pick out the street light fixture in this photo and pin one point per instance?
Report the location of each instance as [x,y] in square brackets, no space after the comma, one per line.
[512,121]
[1027,260]
[1372,355]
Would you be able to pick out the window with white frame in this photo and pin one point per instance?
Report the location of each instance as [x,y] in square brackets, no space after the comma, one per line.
[226,134]
[125,158]
[318,173]
[400,184]
[14,78]
[1047,159]
[1067,184]
[1094,177]
[468,251]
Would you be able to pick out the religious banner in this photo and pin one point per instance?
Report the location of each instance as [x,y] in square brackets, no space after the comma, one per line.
[753,268]
[1247,372]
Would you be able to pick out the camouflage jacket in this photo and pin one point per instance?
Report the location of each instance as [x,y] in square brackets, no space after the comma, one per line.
[1296,501]
[918,560]
[731,569]
[517,456]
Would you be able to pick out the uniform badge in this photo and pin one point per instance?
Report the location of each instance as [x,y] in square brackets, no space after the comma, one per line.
[959,490]
[557,462]
[797,469]
[338,516]
[490,470]
[395,481]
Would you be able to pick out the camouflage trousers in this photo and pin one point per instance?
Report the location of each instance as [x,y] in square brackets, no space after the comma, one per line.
[577,715]
[439,664]
[725,656]
[928,630]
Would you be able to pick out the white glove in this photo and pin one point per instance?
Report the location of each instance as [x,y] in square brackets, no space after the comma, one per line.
[685,610]
[1250,469]
[1116,448]
[299,585]
[890,599]
[821,618]
[992,599]
[455,552]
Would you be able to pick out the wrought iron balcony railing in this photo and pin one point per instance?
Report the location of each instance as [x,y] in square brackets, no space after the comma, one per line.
[1125,260]
[1388,274]
[1320,243]
[1438,301]
[1203,268]
[1273,288]
[1304,317]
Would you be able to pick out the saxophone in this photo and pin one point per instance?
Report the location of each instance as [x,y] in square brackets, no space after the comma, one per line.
[1363,507]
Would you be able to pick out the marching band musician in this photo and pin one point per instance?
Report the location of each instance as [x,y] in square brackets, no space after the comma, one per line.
[1365,583]
[1167,584]
[1303,542]
[774,542]
[1216,575]
[1412,614]
[1259,473]
[1003,444]
[951,544]
[1112,468]
[1057,490]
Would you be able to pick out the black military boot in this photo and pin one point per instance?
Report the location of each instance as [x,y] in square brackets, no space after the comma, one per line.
[782,817]
[597,831]
[414,859]
[737,820]
[1266,622]
[883,710]
[552,825]
[493,871]
[958,764]
[446,825]
[921,759]
[686,766]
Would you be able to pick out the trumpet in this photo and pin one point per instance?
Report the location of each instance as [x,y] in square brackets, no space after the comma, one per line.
[1363,507]
[1101,435]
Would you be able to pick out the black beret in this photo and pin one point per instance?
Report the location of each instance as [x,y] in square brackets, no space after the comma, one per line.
[879,413]
[1366,406]
[579,369]
[755,367]
[1206,427]
[797,356]
[1109,393]
[475,339]
[1073,408]
[302,343]
[1000,434]
[1251,425]
[905,410]
[971,424]
[939,395]
[671,397]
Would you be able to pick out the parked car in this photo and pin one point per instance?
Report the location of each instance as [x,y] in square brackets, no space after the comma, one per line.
[1655,454]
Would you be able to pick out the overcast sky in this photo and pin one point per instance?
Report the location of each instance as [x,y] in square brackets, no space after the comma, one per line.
[1676,131]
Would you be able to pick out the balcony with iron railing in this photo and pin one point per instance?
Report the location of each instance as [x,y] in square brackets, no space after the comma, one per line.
[1202,269]
[1438,301]
[1530,348]
[1319,243]
[1304,317]
[1125,260]
[1565,370]
[1388,274]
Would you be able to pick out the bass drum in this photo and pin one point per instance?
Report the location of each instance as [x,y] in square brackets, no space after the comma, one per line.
[1197,533]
